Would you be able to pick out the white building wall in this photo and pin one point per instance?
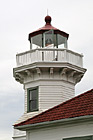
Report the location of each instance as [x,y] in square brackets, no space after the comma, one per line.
[60,132]
[51,93]
[54,93]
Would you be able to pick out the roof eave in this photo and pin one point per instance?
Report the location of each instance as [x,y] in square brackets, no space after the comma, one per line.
[42,31]
[54,123]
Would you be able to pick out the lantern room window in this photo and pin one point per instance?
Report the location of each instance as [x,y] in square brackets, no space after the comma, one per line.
[48,39]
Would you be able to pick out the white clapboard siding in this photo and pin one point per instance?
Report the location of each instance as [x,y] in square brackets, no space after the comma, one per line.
[50,96]
[52,93]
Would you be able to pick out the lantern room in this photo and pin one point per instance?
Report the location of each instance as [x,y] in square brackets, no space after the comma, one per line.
[48,36]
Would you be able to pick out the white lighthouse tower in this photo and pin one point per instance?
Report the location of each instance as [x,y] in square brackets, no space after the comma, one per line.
[48,71]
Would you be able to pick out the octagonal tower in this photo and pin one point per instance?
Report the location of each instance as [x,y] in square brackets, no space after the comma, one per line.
[49,71]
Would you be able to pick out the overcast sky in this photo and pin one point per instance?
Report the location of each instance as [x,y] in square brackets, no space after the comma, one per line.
[20,17]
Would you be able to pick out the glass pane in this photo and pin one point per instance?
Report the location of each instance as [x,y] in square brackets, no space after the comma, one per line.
[48,38]
[62,41]
[33,94]
[36,41]
[33,105]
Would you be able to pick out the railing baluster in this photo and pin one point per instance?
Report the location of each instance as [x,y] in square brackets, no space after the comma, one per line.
[42,56]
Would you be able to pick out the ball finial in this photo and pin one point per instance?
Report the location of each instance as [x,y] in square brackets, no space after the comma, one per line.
[48,19]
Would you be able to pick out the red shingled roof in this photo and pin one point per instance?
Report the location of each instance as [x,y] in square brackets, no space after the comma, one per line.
[80,105]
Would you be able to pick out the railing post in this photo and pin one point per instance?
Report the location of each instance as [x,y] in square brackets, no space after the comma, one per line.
[65,55]
[42,56]
[53,54]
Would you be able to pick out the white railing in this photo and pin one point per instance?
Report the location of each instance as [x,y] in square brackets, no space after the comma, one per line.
[48,55]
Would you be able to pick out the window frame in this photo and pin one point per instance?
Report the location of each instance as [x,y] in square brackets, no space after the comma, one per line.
[28,99]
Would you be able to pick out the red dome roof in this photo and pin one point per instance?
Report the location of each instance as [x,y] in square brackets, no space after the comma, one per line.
[47,27]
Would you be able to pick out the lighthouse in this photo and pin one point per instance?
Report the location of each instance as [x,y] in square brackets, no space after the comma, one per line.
[48,71]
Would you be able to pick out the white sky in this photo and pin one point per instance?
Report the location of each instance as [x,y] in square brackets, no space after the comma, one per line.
[20,17]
